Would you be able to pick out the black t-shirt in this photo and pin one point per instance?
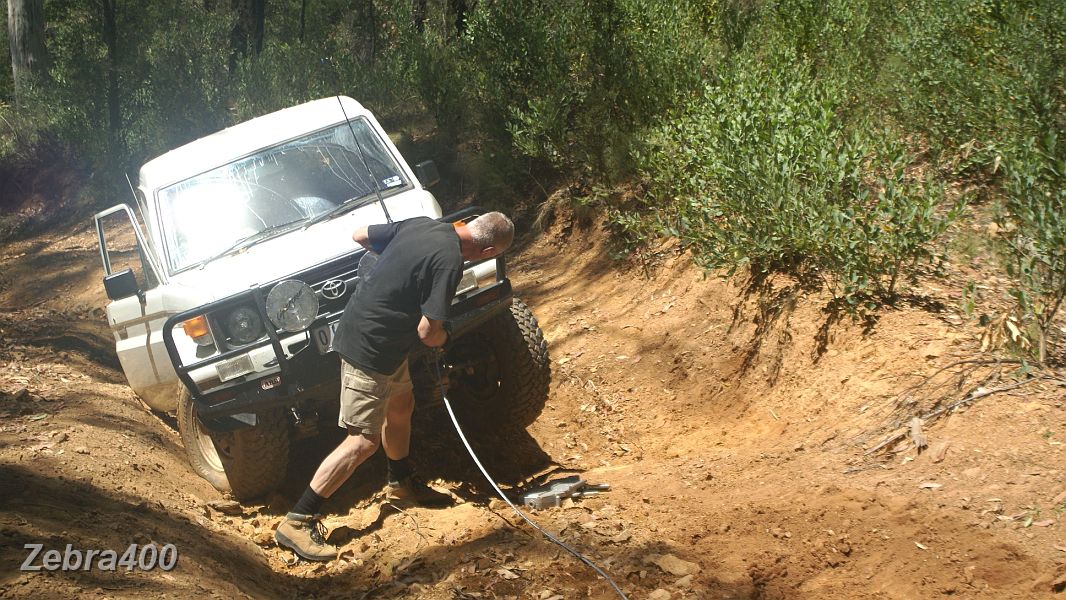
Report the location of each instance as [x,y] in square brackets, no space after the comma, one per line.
[417,273]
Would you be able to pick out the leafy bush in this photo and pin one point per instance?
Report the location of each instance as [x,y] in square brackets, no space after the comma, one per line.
[763,170]
[569,84]
[950,80]
[983,81]
[1035,221]
[799,135]
[365,55]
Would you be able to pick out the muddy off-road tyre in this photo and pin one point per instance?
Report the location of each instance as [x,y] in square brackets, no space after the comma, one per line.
[502,371]
[247,463]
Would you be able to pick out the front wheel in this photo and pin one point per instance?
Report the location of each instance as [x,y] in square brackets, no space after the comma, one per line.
[247,463]
[501,370]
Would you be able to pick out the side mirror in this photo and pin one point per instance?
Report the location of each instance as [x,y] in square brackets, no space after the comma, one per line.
[427,173]
[121,285]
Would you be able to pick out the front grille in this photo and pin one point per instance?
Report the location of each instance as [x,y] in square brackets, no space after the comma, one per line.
[345,269]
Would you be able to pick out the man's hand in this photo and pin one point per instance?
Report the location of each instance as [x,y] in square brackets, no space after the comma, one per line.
[362,237]
[431,332]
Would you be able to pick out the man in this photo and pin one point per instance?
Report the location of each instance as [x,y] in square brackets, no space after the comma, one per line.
[402,303]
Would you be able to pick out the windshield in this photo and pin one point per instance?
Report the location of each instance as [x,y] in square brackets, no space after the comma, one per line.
[291,183]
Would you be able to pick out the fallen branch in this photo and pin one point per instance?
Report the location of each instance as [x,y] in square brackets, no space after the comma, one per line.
[977,394]
[866,467]
[12,309]
[969,361]
[896,436]
[981,393]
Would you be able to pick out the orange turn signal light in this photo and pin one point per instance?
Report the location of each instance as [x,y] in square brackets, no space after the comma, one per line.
[196,327]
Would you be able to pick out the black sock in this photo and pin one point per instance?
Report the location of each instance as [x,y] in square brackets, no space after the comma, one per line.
[399,469]
[309,503]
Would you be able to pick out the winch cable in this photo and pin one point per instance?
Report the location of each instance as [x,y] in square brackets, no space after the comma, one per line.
[492,482]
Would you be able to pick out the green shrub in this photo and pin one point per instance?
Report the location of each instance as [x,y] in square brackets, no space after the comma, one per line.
[762,170]
[983,80]
[1034,218]
[569,84]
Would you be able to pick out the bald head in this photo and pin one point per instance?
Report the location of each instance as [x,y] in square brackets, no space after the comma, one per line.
[487,236]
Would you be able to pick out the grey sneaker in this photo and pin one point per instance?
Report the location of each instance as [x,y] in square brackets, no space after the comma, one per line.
[305,535]
[412,491]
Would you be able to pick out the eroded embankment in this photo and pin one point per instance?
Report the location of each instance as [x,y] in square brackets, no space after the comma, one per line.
[732,425]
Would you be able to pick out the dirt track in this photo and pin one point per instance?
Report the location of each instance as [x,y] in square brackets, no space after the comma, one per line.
[731,424]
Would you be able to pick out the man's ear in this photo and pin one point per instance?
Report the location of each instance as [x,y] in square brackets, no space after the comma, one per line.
[488,251]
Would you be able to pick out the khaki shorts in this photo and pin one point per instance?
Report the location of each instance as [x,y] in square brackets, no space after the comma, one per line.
[365,394]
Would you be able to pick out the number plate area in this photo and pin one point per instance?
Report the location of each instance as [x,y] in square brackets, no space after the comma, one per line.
[323,337]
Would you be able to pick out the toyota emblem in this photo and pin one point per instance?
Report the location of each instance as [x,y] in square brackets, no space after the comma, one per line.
[334,288]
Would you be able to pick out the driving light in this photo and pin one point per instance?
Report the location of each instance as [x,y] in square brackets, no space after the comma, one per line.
[197,329]
[244,325]
[292,305]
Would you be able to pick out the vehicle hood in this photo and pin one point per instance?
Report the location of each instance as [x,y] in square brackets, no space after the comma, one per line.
[291,252]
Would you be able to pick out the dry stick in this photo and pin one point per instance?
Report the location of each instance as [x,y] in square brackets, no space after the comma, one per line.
[902,432]
[977,361]
[994,376]
[418,529]
[981,394]
[899,434]
[11,309]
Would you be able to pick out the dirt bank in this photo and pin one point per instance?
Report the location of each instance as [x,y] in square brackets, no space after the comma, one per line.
[733,425]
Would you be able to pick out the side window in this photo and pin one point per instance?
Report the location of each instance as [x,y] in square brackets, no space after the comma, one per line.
[121,247]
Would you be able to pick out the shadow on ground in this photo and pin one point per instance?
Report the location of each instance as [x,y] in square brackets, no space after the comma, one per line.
[512,457]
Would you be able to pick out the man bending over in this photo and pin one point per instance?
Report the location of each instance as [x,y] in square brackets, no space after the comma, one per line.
[404,302]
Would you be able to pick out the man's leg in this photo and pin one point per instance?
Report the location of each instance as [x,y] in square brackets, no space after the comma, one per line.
[300,531]
[396,433]
[404,488]
[362,413]
[342,462]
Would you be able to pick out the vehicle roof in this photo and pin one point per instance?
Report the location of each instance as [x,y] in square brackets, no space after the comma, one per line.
[245,138]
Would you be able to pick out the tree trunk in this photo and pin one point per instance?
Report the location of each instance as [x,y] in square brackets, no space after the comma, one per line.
[258,24]
[366,27]
[459,7]
[114,114]
[25,32]
[303,14]
[418,11]
[247,34]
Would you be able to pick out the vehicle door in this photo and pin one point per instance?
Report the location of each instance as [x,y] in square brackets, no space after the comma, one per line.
[134,282]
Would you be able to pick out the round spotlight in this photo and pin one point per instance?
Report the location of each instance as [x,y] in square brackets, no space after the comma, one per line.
[292,305]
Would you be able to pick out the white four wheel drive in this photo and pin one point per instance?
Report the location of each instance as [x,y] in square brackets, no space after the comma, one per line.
[242,262]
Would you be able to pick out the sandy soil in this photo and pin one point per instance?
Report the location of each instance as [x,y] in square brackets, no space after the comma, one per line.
[734,426]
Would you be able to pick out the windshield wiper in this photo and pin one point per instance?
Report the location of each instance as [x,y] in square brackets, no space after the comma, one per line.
[250,239]
[349,204]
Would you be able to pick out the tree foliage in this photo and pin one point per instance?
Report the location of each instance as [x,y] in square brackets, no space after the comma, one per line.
[810,136]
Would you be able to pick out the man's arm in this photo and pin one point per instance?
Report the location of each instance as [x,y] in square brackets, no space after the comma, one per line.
[431,332]
[362,237]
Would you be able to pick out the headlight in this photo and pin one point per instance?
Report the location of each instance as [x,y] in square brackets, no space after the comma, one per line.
[244,325]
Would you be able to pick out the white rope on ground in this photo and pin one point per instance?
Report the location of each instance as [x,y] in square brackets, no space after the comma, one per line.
[492,482]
